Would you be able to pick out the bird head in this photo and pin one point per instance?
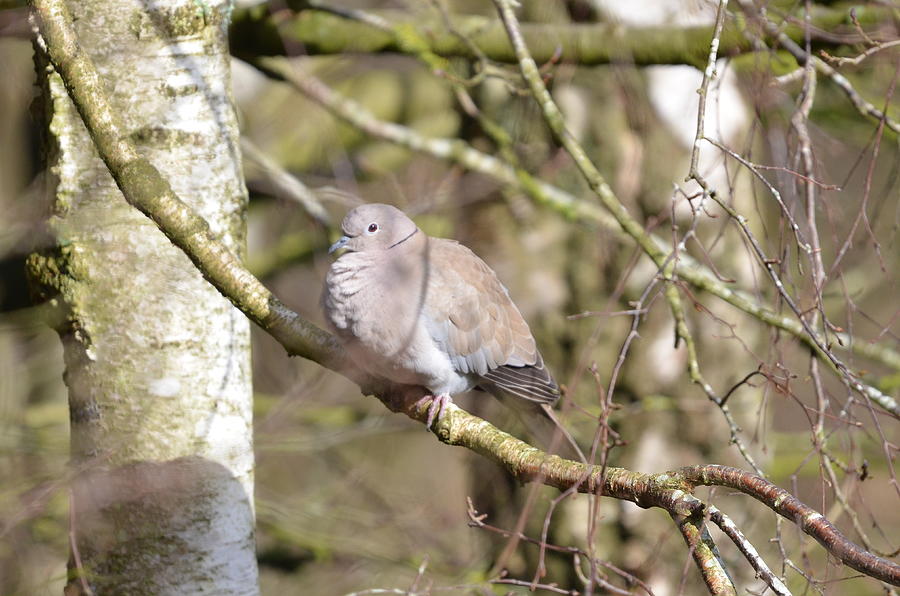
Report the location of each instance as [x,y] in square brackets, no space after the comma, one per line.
[373,227]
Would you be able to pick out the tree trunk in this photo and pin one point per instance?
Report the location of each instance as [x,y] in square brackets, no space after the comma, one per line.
[157,362]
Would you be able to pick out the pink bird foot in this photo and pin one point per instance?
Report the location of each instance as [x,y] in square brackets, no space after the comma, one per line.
[437,405]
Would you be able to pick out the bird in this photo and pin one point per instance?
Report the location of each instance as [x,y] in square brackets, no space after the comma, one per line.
[427,311]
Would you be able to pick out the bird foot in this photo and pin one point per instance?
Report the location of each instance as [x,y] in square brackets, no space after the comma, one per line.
[436,406]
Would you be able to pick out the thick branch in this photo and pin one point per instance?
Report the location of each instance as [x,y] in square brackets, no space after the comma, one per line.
[706,554]
[144,188]
[785,504]
[256,33]
[457,151]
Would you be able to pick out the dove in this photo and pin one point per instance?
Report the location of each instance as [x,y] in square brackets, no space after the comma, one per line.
[427,311]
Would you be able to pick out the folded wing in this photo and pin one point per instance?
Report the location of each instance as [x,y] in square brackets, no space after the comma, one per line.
[471,316]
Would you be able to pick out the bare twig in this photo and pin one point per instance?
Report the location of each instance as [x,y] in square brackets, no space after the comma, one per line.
[145,188]
[557,199]
[477,520]
[791,508]
[73,545]
[802,56]
[708,74]
[534,585]
[749,551]
[855,60]
[284,184]
[754,169]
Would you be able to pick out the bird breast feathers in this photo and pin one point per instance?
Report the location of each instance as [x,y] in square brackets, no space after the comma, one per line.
[378,304]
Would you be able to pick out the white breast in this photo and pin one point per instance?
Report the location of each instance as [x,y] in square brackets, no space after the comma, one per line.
[384,335]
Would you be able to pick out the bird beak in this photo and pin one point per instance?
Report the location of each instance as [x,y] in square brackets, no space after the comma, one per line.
[339,244]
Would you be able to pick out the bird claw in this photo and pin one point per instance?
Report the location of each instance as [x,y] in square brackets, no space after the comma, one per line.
[436,406]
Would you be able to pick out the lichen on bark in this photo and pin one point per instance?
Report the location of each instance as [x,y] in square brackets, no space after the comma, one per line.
[157,361]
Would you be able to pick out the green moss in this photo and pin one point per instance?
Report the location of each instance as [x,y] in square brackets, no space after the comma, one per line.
[328,34]
[165,137]
[53,271]
[186,20]
[889,384]
[134,23]
[767,63]
[410,41]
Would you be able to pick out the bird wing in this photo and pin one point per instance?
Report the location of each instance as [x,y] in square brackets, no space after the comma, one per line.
[470,315]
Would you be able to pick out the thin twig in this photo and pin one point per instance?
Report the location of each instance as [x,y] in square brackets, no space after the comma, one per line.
[284,184]
[855,60]
[145,188]
[553,197]
[708,74]
[73,544]
[802,56]
[749,551]
[754,169]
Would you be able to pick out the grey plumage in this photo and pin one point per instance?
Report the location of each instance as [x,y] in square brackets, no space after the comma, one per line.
[428,311]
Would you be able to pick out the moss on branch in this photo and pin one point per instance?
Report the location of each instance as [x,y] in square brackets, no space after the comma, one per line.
[146,189]
[256,32]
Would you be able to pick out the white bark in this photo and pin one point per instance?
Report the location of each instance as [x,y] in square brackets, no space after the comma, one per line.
[157,362]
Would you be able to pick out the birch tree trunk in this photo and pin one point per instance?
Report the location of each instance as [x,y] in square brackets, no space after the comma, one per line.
[157,362]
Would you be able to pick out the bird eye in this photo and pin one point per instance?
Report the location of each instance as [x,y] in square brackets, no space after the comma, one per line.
[373,227]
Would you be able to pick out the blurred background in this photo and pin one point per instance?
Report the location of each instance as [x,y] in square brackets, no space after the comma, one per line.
[351,497]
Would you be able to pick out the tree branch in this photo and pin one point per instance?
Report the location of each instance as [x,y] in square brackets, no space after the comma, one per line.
[773,30]
[553,197]
[705,554]
[748,550]
[145,189]
[323,31]
[785,504]
[666,262]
